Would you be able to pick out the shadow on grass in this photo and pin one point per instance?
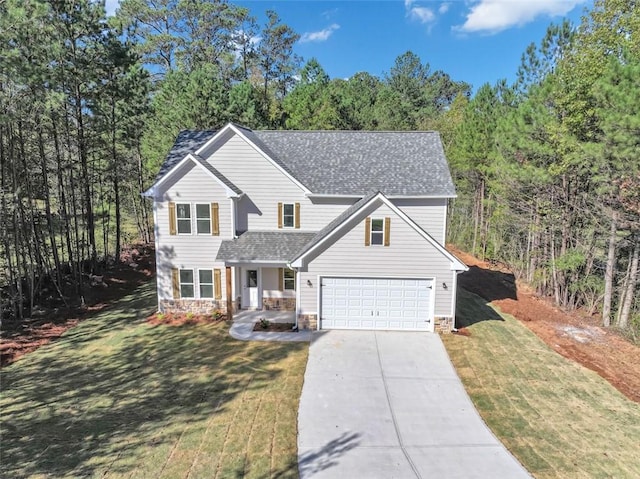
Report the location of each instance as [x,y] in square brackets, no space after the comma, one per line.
[91,401]
[489,284]
[472,309]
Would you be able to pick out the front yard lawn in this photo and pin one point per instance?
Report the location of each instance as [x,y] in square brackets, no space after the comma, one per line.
[558,418]
[118,397]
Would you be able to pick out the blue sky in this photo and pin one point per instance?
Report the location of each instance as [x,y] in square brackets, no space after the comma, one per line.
[476,41]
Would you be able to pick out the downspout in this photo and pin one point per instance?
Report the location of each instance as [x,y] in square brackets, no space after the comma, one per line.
[234,208]
[455,300]
[297,295]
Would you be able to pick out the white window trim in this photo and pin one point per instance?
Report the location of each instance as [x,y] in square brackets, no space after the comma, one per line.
[371,232]
[293,215]
[195,208]
[284,280]
[191,210]
[213,283]
[193,283]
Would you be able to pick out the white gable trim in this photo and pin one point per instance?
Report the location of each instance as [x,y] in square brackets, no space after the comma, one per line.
[189,157]
[233,128]
[456,264]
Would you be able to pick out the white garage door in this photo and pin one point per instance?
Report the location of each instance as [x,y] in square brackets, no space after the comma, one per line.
[375,303]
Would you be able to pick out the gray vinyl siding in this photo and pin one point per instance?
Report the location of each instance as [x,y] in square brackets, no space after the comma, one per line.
[264,186]
[194,251]
[428,213]
[409,255]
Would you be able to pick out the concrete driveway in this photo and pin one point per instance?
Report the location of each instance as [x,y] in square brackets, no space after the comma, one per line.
[390,405]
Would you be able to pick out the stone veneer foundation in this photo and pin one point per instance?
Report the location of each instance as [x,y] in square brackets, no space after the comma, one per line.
[308,321]
[443,325]
[279,304]
[194,306]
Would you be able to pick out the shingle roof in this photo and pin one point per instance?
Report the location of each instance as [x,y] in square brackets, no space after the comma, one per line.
[357,162]
[275,246]
[188,141]
[401,163]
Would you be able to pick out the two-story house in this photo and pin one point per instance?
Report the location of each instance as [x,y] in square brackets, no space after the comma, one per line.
[346,228]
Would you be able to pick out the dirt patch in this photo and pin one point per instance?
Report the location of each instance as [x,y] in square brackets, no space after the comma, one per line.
[463,332]
[574,335]
[274,327]
[20,337]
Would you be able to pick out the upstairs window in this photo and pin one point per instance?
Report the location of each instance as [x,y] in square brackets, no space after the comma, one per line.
[203,219]
[288,215]
[183,215]
[377,231]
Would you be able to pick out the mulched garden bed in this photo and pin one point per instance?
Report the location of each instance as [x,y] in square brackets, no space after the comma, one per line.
[274,327]
[184,319]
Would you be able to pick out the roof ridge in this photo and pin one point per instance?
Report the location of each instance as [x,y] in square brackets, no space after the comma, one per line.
[345,131]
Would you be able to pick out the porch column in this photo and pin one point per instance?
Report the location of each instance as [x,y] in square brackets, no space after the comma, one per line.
[229,295]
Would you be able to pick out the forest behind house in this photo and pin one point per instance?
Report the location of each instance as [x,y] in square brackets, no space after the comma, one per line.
[547,169]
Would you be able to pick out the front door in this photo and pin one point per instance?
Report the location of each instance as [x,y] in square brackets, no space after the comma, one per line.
[250,289]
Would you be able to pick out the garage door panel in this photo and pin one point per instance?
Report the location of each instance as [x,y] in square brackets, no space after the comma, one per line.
[376,303]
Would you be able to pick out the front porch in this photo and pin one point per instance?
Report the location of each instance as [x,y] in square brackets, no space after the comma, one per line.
[243,321]
[247,316]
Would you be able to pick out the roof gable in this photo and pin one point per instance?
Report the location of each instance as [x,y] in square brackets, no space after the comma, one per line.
[187,141]
[231,189]
[339,163]
[340,226]
[251,139]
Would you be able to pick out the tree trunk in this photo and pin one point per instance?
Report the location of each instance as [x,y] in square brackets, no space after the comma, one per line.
[625,312]
[116,182]
[47,205]
[609,271]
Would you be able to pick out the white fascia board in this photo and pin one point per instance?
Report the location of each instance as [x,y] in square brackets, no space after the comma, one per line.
[237,131]
[230,192]
[221,132]
[271,160]
[189,157]
[456,264]
[299,263]
[152,191]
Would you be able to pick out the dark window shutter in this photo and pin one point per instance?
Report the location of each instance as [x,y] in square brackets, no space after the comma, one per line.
[367,231]
[172,218]
[279,215]
[297,215]
[387,231]
[280,279]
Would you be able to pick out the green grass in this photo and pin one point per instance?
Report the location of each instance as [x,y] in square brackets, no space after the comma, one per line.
[116,397]
[558,418]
